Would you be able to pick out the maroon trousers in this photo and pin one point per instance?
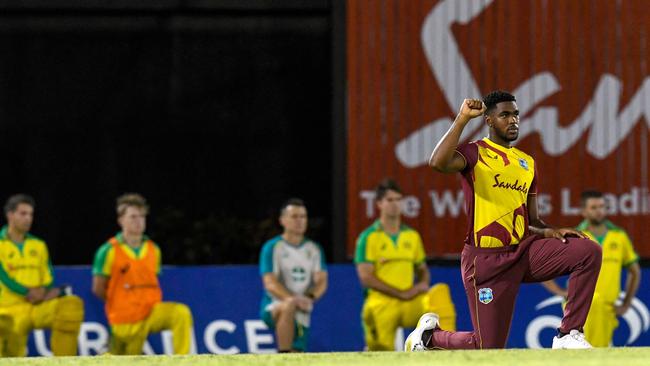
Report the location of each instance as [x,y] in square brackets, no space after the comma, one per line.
[492,276]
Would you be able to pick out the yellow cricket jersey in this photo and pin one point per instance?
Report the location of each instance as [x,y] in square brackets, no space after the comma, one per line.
[618,253]
[22,265]
[496,183]
[105,255]
[394,258]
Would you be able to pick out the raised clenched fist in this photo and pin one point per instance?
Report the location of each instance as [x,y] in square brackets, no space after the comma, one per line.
[471,108]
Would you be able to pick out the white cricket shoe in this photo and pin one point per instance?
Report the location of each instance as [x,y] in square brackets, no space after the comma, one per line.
[574,340]
[414,342]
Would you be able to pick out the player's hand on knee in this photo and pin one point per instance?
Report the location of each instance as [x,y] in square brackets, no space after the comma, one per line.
[421,288]
[52,293]
[35,294]
[406,295]
[563,233]
[414,291]
[304,303]
[291,301]
[621,309]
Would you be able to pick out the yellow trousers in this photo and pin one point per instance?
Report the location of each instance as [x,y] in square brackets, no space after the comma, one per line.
[62,315]
[382,315]
[601,322]
[128,339]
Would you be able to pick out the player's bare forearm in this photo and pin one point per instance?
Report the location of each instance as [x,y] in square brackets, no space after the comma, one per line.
[536,230]
[369,280]
[52,293]
[274,287]
[36,295]
[444,157]
[538,227]
[445,149]
[422,274]
[535,224]
[320,285]
[632,283]
[379,285]
[99,287]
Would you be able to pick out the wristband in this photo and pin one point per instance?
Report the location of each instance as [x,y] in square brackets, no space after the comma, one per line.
[65,290]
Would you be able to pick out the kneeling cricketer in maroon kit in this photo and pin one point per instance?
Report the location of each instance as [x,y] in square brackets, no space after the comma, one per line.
[507,244]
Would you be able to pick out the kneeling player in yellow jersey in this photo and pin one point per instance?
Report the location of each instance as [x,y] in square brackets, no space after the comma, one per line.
[391,265]
[618,253]
[125,276]
[28,299]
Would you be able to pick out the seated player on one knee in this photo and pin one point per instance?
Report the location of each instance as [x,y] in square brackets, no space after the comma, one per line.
[618,254]
[28,298]
[391,265]
[125,276]
[294,273]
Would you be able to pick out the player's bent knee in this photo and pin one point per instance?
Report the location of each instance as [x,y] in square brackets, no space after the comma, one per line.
[440,290]
[183,311]
[592,249]
[288,307]
[71,304]
[69,314]
[585,248]
[439,300]
[597,249]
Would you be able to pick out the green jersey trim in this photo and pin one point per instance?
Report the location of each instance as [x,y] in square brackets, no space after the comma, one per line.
[120,237]
[635,260]
[323,262]
[266,255]
[11,283]
[100,259]
[584,225]
[360,252]
[4,235]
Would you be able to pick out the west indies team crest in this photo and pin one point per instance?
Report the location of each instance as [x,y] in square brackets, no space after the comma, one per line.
[485,295]
[523,163]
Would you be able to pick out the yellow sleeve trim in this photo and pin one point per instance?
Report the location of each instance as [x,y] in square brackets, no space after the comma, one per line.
[108,263]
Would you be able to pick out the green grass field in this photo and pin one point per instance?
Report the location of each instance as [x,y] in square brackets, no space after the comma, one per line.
[612,356]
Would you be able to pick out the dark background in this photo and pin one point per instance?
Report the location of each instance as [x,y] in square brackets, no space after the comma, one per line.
[216,112]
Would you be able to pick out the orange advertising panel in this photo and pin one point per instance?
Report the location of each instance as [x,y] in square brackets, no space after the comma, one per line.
[579,70]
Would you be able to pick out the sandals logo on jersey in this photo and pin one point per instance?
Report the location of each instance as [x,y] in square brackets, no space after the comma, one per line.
[485,295]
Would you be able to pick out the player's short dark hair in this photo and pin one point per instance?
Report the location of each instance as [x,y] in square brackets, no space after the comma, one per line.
[130,200]
[491,100]
[291,202]
[384,186]
[585,195]
[12,202]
